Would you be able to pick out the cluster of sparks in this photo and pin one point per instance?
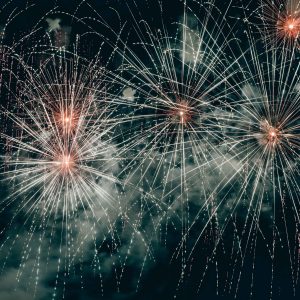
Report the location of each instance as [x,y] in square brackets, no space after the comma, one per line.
[282,21]
[210,132]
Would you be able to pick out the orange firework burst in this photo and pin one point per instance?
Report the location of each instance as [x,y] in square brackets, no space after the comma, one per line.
[182,113]
[281,22]
[289,27]
[270,135]
[68,119]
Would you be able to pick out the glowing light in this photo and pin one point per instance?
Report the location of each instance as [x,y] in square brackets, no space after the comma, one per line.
[182,112]
[272,133]
[183,116]
[282,22]
[67,120]
[66,163]
[291,28]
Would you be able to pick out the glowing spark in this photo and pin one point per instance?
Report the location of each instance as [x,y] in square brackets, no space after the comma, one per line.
[66,164]
[270,135]
[290,28]
[281,22]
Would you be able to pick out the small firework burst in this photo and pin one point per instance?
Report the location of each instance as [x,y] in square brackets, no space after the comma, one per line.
[281,22]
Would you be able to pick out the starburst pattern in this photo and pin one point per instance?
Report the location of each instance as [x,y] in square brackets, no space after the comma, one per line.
[281,22]
[125,134]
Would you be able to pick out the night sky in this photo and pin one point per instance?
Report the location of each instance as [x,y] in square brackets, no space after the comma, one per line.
[149,149]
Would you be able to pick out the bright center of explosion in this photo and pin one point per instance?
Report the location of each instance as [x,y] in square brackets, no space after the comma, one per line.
[272,133]
[66,163]
[182,113]
[66,120]
[291,27]
[273,136]
[269,135]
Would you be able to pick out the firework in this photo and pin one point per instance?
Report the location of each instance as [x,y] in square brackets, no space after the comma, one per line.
[281,22]
[60,163]
[263,137]
[177,95]
[59,133]
[183,135]
[176,89]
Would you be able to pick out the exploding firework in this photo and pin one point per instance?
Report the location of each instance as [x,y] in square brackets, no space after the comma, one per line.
[174,97]
[263,137]
[281,22]
[59,132]
[191,141]
[60,162]
[176,87]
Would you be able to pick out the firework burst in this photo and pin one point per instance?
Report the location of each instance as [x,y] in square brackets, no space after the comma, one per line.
[60,163]
[59,132]
[176,85]
[281,22]
[263,136]
[178,95]
[191,141]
